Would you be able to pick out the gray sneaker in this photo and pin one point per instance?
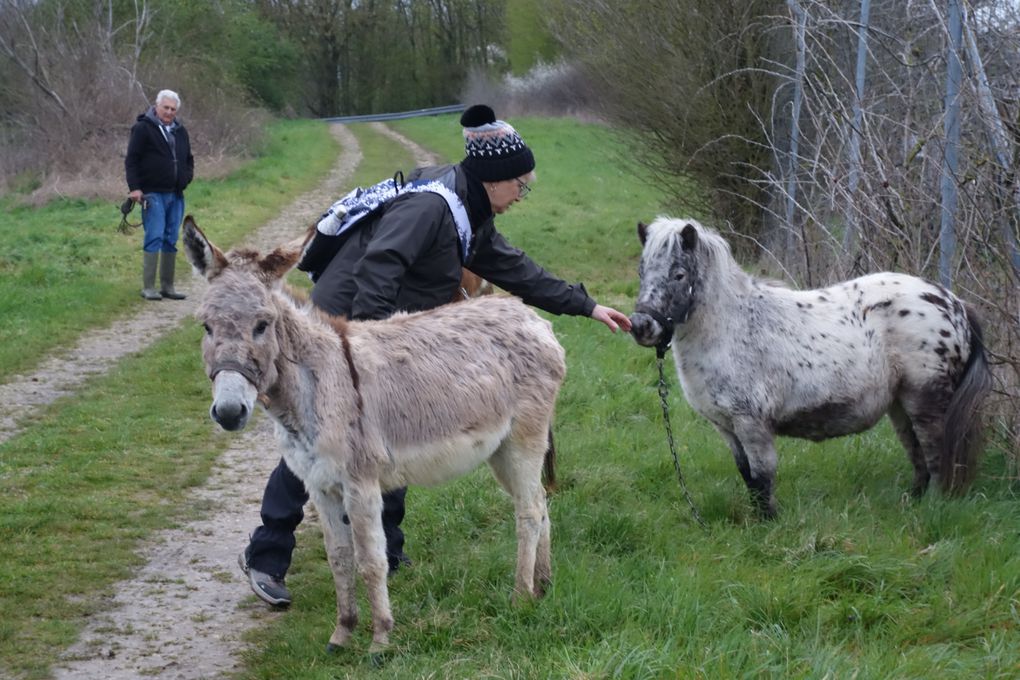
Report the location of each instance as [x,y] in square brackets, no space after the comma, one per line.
[268,588]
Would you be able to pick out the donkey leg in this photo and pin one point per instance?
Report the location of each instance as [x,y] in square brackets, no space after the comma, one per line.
[758,447]
[543,555]
[340,553]
[363,501]
[905,431]
[518,467]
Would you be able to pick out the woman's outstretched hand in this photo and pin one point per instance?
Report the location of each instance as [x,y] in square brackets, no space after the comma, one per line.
[611,318]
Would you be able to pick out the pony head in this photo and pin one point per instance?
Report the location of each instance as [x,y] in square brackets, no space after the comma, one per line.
[239,313]
[670,273]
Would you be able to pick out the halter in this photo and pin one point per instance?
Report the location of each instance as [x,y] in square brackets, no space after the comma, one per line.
[125,209]
[250,373]
[666,322]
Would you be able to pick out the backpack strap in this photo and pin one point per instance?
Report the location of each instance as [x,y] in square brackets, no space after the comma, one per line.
[362,202]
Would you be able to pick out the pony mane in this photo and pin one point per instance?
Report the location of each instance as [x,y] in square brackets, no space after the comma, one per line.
[712,249]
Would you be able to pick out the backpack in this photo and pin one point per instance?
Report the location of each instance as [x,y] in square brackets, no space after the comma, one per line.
[336,224]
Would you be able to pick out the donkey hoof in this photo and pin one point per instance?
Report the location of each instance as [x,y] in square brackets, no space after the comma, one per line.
[333,649]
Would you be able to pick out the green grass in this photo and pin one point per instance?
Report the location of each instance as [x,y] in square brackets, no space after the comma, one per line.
[853,579]
[97,474]
[65,267]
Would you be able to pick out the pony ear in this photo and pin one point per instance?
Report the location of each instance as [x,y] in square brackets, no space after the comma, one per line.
[642,232]
[205,258]
[689,237]
[276,264]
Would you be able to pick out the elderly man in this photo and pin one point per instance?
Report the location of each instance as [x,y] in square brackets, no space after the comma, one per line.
[159,166]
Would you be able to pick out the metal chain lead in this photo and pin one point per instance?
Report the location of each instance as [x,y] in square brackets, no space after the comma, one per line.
[663,393]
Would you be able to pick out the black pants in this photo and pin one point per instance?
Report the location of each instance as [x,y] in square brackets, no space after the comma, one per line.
[283,504]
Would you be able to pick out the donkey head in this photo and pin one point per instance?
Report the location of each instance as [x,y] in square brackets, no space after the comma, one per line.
[669,276]
[240,314]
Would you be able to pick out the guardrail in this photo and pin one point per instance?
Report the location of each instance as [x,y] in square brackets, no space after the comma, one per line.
[377,117]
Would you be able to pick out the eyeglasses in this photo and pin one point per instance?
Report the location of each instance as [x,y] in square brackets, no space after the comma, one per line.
[522,188]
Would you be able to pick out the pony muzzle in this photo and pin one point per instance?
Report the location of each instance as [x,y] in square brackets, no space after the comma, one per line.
[650,328]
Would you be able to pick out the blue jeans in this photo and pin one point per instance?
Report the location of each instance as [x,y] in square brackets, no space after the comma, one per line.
[161,219]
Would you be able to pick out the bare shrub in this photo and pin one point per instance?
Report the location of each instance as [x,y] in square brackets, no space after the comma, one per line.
[709,91]
[557,89]
[77,83]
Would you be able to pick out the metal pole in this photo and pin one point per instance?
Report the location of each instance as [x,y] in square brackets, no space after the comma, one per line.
[997,138]
[853,226]
[798,96]
[950,162]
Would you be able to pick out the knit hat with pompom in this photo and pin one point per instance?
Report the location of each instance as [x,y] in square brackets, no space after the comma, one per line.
[494,151]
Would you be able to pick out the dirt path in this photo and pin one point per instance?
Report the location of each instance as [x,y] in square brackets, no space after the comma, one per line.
[185,612]
[421,156]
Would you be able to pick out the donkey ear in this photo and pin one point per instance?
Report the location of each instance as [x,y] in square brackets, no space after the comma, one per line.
[205,258]
[276,264]
[642,232]
[689,237]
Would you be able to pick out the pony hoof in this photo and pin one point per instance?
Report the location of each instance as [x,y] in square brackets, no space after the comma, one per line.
[332,649]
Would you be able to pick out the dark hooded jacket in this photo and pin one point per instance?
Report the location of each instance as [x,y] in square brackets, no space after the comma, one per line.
[151,163]
[407,257]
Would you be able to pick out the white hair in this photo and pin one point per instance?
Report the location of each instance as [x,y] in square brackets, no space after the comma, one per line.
[169,94]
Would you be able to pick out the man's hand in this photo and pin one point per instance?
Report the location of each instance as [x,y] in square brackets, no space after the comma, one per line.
[136,195]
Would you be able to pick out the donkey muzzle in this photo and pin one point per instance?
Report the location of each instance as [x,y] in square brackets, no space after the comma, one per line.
[233,399]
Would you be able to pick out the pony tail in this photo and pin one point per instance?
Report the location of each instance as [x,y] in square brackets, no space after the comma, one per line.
[963,440]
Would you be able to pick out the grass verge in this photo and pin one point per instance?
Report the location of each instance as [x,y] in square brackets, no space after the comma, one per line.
[65,267]
[853,580]
[96,474]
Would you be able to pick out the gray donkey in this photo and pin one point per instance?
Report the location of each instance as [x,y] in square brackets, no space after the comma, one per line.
[758,359]
[363,407]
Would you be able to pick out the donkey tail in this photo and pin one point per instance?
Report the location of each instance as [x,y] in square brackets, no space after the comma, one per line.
[549,466]
[963,439]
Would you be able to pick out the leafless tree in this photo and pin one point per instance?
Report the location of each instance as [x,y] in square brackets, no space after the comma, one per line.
[717,92]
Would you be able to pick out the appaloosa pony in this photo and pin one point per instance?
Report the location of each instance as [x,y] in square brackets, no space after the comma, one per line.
[363,407]
[760,360]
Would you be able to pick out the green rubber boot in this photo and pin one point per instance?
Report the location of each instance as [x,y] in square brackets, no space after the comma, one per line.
[167,262]
[149,263]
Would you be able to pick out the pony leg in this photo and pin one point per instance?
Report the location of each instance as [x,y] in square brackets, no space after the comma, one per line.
[739,456]
[758,447]
[340,553]
[905,431]
[363,501]
[927,414]
[518,468]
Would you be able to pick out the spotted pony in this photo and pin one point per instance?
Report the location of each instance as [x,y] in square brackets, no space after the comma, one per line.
[758,359]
